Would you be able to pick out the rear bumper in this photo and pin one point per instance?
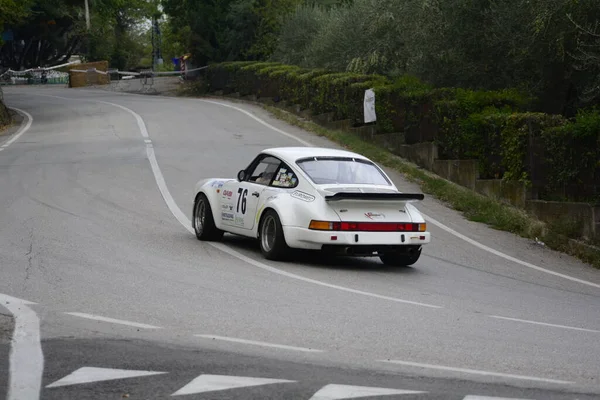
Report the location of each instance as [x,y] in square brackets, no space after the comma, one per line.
[304,238]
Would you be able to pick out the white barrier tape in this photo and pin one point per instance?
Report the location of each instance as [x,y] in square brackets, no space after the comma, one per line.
[39,69]
[127,73]
[180,72]
[89,70]
[114,71]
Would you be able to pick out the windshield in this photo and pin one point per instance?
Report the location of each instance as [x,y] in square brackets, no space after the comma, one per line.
[342,170]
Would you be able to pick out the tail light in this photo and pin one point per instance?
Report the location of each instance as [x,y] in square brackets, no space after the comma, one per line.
[366,226]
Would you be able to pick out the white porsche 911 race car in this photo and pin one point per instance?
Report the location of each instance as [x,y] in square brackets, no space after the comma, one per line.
[313,198]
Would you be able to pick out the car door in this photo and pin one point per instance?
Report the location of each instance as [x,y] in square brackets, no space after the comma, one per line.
[243,198]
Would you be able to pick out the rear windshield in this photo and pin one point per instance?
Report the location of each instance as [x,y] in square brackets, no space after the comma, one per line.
[342,170]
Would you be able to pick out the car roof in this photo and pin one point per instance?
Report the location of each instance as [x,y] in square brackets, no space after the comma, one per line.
[291,154]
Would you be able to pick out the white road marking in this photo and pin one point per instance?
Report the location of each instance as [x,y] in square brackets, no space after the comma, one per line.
[544,324]
[91,374]
[26,360]
[475,371]
[506,256]
[257,343]
[187,224]
[112,320]
[338,392]
[432,220]
[211,383]
[260,121]
[22,130]
[260,265]
[471,397]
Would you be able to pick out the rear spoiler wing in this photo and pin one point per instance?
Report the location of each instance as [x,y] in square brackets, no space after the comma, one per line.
[405,197]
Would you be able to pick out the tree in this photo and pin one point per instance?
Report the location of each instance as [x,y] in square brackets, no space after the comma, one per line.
[200,25]
[13,11]
[118,32]
[220,30]
[49,34]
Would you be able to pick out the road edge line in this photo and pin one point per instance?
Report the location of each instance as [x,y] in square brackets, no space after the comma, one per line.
[26,359]
[24,128]
[187,224]
[432,220]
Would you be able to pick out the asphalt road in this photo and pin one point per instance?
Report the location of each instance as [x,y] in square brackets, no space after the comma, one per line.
[85,229]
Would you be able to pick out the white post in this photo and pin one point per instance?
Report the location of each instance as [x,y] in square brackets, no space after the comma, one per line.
[87,15]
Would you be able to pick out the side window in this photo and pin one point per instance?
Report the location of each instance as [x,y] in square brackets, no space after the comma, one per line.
[264,171]
[285,178]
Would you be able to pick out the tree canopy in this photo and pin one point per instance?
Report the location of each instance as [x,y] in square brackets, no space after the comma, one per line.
[48,32]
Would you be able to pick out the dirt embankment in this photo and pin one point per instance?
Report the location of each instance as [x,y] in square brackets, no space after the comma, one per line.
[5,117]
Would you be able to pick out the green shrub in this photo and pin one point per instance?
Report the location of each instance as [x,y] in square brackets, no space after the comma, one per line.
[519,133]
[480,137]
[455,107]
[406,106]
[222,76]
[572,157]
[298,87]
[246,79]
[270,79]
[334,93]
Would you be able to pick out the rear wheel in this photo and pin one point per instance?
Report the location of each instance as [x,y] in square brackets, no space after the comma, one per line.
[203,221]
[271,238]
[403,258]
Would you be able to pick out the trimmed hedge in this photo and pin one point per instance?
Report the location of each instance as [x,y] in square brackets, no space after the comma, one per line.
[497,128]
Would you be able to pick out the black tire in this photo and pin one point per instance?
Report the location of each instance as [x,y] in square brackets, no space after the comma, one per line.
[206,230]
[401,259]
[271,237]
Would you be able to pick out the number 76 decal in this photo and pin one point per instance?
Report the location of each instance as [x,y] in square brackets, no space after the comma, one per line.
[242,193]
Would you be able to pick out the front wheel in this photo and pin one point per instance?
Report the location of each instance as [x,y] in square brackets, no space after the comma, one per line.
[203,221]
[271,238]
[401,259]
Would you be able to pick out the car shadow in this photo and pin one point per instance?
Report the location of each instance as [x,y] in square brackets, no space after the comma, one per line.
[319,259]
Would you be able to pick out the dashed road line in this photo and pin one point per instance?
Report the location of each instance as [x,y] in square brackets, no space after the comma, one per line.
[112,320]
[93,374]
[205,383]
[544,324]
[339,392]
[472,397]
[26,360]
[258,343]
[475,371]
[211,383]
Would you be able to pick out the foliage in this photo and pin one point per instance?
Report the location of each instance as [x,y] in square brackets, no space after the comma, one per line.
[587,57]
[48,32]
[572,153]
[229,29]
[497,128]
[13,11]
[488,44]
[473,206]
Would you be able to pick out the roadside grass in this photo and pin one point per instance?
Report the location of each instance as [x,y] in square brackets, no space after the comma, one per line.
[474,206]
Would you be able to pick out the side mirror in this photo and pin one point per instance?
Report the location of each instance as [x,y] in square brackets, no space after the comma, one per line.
[241,175]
